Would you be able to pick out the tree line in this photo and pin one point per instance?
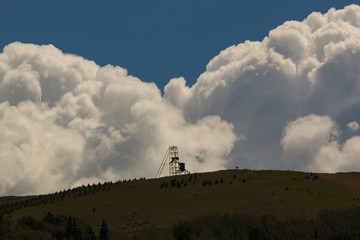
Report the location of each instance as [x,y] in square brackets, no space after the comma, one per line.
[328,225]
[50,227]
[62,195]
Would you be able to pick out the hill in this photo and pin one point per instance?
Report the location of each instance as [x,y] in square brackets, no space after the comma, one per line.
[135,205]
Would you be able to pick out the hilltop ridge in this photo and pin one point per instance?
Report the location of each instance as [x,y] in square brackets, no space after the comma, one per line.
[133,205]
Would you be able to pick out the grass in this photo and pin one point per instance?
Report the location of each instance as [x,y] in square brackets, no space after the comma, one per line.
[131,206]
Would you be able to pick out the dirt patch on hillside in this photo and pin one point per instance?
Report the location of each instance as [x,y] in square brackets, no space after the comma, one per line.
[350,179]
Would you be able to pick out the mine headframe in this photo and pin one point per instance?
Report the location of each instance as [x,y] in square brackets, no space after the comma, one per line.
[171,159]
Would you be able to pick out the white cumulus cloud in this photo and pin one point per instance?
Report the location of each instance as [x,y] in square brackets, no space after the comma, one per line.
[313,140]
[66,121]
[299,69]
[353,126]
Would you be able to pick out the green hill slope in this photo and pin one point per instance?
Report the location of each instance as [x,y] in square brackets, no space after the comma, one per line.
[135,205]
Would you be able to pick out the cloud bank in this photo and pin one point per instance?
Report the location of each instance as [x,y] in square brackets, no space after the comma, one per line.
[66,121]
[300,71]
[291,101]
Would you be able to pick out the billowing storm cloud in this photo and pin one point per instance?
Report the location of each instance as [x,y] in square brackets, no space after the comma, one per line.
[291,101]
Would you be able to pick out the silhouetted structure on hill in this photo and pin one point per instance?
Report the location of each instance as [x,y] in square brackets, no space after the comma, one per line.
[172,160]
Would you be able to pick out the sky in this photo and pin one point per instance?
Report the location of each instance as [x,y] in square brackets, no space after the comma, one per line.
[96,91]
[154,40]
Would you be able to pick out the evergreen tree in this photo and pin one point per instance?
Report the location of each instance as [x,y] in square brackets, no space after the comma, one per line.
[69,228]
[72,230]
[89,235]
[104,231]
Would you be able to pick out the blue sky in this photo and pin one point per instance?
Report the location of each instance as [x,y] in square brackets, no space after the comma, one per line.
[155,40]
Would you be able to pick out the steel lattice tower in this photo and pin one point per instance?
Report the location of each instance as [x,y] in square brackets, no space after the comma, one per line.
[171,159]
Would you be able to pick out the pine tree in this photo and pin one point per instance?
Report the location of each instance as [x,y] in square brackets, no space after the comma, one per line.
[89,235]
[104,231]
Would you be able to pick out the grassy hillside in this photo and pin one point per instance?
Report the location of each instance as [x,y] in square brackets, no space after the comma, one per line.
[139,204]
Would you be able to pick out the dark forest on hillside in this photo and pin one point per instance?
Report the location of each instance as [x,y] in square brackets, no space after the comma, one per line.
[329,224]
[50,227]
